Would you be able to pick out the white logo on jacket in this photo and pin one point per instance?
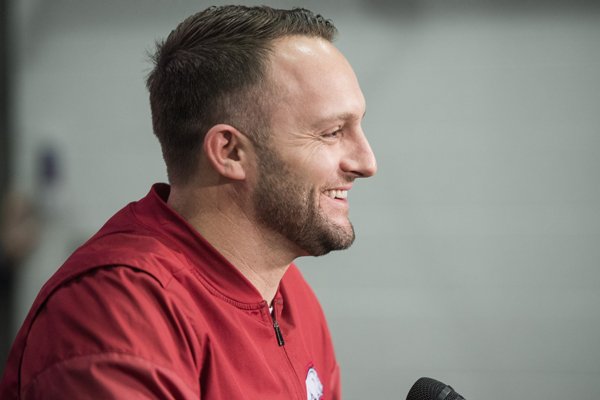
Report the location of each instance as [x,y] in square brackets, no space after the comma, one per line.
[314,388]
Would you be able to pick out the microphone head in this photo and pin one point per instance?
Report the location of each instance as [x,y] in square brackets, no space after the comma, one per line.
[430,389]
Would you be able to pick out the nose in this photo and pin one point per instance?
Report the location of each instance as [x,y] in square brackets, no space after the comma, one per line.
[359,158]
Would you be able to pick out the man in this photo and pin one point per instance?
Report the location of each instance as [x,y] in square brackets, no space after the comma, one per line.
[191,292]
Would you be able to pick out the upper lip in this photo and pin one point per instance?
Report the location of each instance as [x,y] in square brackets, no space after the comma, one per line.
[348,187]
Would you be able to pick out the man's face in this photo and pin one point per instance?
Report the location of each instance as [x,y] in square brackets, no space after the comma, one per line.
[316,146]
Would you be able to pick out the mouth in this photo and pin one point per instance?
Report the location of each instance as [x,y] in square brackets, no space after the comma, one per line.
[336,194]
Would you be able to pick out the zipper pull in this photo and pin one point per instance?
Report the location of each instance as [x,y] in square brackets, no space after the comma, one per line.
[278,334]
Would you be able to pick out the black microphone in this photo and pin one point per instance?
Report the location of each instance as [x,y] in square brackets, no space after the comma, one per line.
[430,389]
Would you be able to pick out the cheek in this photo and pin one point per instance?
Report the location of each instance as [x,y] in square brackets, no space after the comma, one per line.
[321,169]
[314,167]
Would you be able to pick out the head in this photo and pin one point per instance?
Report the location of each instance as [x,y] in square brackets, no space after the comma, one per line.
[275,76]
[212,69]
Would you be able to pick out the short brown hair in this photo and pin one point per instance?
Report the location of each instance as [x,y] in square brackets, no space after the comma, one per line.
[211,69]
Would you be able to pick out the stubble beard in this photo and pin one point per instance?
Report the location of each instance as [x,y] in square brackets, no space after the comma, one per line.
[291,209]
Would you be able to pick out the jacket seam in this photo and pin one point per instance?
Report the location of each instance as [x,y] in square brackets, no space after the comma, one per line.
[74,357]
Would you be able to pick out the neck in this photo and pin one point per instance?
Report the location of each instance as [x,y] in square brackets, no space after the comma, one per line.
[260,255]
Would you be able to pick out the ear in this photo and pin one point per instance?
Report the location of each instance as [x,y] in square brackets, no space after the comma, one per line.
[226,149]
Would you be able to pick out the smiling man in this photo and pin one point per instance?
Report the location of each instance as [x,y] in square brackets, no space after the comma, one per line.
[191,292]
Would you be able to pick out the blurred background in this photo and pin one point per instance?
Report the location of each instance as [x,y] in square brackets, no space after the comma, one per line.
[477,260]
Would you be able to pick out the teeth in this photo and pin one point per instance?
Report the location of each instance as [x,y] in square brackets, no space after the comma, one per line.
[339,194]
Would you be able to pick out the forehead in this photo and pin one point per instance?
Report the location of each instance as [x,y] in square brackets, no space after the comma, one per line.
[313,82]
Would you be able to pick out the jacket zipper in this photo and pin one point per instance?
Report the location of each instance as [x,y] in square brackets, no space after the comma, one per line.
[278,334]
[281,344]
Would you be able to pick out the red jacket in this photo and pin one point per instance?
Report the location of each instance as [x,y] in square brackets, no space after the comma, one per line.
[148,309]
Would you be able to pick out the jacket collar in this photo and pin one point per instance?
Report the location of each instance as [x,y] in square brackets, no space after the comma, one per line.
[222,276]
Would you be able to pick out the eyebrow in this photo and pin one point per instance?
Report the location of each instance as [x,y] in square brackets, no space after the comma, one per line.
[349,115]
[343,116]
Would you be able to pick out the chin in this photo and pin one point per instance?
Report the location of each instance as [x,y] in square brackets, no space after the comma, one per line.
[341,223]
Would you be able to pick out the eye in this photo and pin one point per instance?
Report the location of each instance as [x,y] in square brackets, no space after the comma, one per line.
[332,135]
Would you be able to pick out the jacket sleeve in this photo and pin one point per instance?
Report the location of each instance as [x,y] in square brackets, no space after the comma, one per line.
[114,333]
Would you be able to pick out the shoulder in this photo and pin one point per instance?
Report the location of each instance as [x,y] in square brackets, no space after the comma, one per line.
[117,312]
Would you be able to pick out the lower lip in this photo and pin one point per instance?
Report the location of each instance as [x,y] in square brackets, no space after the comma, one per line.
[337,201]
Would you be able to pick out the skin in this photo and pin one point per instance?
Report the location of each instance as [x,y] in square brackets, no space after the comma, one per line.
[317,144]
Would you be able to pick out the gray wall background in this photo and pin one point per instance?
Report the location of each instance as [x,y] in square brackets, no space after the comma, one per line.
[477,256]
